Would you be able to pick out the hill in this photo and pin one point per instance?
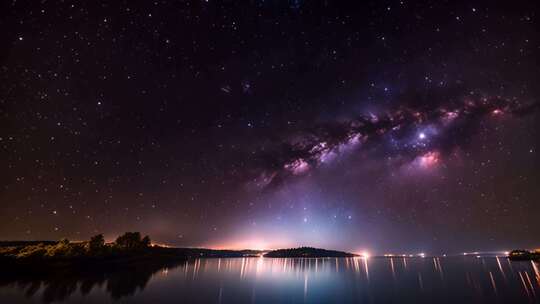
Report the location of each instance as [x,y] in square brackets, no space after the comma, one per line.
[307,252]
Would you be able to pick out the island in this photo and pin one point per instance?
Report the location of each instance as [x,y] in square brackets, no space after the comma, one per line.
[524,255]
[307,252]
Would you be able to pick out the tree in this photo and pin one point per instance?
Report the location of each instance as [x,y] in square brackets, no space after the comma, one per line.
[129,240]
[96,242]
[146,241]
[32,251]
[61,249]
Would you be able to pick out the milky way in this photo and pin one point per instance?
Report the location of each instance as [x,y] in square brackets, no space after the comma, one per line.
[421,134]
[387,126]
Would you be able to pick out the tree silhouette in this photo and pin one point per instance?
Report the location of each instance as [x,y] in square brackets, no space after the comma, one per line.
[96,243]
[132,240]
[146,241]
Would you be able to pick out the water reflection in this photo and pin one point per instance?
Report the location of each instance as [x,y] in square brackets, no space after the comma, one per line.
[293,280]
[117,282]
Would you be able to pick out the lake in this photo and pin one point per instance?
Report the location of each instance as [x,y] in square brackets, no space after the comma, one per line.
[291,280]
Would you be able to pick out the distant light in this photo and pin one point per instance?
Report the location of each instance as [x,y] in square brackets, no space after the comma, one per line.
[422,135]
[365,254]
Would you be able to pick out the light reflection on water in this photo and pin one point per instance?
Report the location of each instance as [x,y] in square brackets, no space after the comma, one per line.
[293,280]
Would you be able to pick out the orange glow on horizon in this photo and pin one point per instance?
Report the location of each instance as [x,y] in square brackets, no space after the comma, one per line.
[243,245]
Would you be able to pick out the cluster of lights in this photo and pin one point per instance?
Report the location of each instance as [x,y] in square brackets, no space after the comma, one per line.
[479,254]
[390,255]
[160,245]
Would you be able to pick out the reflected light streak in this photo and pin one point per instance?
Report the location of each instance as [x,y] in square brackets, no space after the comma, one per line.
[536,272]
[366,267]
[493,282]
[500,268]
[305,286]
[440,268]
[392,266]
[530,283]
[524,284]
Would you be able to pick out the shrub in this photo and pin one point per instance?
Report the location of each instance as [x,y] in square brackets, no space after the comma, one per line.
[61,249]
[96,243]
[32,252]
[132,240]
[146,241]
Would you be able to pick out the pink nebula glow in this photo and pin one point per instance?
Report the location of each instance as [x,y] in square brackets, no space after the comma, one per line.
[429,159]
[298,166]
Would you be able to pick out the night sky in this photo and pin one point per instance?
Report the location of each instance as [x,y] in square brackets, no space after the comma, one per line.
[388,126]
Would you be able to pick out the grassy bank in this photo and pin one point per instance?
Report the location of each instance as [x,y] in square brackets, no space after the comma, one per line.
[128,249]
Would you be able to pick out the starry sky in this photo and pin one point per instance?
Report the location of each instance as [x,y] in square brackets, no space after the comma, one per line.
[388,126]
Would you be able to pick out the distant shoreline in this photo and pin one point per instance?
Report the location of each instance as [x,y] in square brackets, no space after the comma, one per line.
[132,250]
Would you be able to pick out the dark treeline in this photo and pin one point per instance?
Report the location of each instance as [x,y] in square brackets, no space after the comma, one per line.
[524,255]
[129,242]
[24,243]
[129,248]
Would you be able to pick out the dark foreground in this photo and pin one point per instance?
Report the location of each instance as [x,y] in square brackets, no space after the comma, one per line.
[287,280]
[36,258]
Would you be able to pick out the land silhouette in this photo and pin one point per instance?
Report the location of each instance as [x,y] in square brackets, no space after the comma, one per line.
[524,255]
[128,249]
[307,252]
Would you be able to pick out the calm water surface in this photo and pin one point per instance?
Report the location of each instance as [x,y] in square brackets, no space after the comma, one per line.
[266,280]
